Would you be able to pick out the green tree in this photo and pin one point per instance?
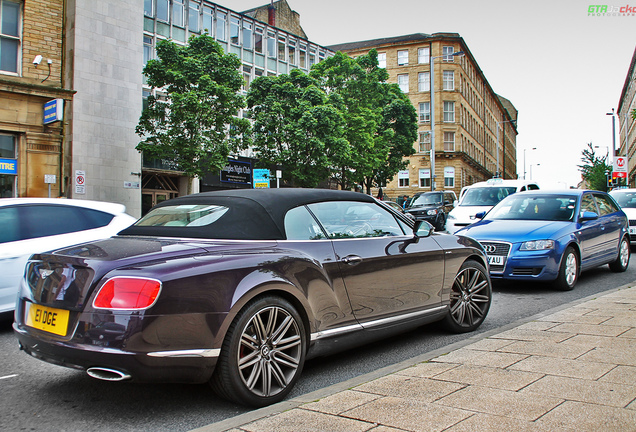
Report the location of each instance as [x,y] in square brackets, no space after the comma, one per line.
[594,169]
[297,127]
[381,123]
[197,126]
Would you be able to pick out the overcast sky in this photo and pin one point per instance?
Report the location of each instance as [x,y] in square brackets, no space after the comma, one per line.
[562,69]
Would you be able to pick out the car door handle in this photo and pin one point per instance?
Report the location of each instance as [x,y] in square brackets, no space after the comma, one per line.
[352,259]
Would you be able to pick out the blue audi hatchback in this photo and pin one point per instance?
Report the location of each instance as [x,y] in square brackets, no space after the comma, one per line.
[553,236]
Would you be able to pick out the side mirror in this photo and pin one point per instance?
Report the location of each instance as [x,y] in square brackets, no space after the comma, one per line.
[422,229]
[588,215]
[455,203]
[480,215]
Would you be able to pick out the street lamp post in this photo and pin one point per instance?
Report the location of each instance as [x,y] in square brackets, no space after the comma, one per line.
[497,147]
[432,60]
[614,133]
[524,161]
[531,169]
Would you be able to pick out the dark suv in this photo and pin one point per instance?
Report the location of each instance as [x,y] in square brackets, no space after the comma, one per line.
[432,207]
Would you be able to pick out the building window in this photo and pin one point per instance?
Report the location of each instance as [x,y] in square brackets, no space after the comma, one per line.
[281,48]
[382,60]
[447,52]
[448,78]
[449,141]
[302,56]
[425,142]
[291,52]
[9,36]
[449,177]
[403,57]
[312,56]
[8,151]
[162,10]
[247,35]
[403,82]
[148,8]
[424,81]
[423,55]
[193,17]
[208,21]
[247,77]
[258,40]
[403,178]
[177,13]
[148,49]
[221,25]
[425,112]
[271,44]
[425,177]
[449,112]
[234,30]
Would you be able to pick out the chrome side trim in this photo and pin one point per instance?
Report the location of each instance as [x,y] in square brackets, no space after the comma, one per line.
[385,321]
[187,353]
[380,322]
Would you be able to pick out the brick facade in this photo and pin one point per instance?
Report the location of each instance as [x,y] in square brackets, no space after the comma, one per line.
[478,111]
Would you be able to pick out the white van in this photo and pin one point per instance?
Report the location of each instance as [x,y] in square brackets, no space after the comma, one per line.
[481,197]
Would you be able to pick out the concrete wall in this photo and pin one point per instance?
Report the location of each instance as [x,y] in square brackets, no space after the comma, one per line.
[105,43]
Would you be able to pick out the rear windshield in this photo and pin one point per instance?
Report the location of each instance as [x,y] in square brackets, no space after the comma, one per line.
[486,196]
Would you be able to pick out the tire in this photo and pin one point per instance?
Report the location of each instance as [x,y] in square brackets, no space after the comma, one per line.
[569,270]
[622,260]
[262,355]
[470,298]
[441,224]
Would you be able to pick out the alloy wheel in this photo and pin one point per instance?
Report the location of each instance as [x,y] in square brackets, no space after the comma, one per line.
[470,297]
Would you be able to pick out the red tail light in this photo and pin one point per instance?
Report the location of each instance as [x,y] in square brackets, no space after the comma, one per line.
[127,293]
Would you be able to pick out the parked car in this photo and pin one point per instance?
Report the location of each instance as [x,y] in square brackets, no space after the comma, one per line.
[481,197]
[553,236]
[238,288]
[626,198]
[433,207]
[33,225]
[397,207]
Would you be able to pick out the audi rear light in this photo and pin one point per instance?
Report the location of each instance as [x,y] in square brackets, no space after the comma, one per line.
[127,293]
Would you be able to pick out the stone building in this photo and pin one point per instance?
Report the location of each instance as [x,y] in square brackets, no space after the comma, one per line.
[31,151]
[627,123]
[474,128]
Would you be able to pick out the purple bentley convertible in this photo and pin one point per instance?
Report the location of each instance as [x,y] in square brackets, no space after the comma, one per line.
[238,288]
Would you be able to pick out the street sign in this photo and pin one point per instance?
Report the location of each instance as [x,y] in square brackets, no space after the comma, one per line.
[619,174]
[80,182]
[620,164]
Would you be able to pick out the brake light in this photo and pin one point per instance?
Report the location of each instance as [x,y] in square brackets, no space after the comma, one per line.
[127,293]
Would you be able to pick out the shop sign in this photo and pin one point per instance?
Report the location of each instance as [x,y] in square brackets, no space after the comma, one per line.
[237,172]
[9,166]
[261,178]
[53,111]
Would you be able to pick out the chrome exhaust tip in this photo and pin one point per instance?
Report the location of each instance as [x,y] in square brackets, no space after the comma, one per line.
[107,374]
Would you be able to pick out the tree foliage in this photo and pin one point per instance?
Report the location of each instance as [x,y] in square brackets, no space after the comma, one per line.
[196,127]
[342,122]
[594,169]
[381,122]
[297,127]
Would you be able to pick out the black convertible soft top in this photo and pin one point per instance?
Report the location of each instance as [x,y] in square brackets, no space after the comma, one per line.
[254,214]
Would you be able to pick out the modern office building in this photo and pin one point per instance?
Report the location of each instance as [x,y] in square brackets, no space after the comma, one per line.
[91,56]
[474,128]
[627,123]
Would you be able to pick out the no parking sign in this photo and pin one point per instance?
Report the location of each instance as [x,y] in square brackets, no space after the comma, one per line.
[80,182]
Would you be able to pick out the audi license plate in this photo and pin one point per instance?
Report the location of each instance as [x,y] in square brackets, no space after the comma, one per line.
[48,319]
[632,230]
[496,260]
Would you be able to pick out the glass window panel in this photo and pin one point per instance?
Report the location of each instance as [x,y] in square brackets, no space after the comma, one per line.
[208,22]
[423,55]
[424,81]
[177,13]
[10,18]
[221,23]
[382,60]
[7,146]
[148,8]
[258,40]
[234,30]
[247,35]
[193,17]
[9,55]
[281,49]
[162,10]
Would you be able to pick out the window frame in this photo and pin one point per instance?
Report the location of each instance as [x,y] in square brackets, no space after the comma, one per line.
[424,112]
[448,83]
[15,38]
[424,59]
[424,81]
[449,115]
[403,57]
[403,85]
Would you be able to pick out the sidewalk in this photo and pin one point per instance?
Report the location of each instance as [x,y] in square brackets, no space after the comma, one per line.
[573,368]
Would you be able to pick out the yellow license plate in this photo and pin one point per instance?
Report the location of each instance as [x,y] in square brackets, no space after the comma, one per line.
[49,319]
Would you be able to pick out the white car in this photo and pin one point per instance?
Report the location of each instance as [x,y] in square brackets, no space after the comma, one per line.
[34,225]
[626,198]
[481,197]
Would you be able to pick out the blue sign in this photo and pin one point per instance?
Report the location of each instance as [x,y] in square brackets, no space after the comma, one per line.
[53,111]
[261,178]
[9,166]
